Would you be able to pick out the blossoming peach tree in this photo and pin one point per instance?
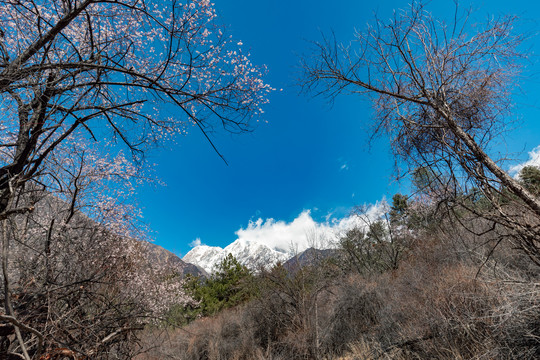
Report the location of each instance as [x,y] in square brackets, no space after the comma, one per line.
[87,87]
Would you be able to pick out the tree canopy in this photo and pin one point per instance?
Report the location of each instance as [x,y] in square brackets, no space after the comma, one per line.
[87,88]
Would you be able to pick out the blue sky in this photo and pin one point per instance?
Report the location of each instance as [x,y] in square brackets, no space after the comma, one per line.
[308,155]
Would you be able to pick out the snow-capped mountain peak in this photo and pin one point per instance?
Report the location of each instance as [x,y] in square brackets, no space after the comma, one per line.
[249,253]
[204,256]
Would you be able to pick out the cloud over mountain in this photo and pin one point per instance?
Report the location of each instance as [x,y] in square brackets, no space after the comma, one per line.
[263,242]
[303,232]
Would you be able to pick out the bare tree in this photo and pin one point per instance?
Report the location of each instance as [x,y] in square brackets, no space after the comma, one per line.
[379,241]
[73,279]
[86,88]
[441,94]
[132,72]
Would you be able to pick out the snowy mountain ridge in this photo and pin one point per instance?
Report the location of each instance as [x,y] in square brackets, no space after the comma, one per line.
[249,253]
[265,242]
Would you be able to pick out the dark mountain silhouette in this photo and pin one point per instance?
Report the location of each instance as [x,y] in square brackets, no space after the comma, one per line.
[157,254]
[309,257]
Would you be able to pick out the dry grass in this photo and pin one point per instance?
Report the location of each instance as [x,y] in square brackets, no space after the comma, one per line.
[436,305]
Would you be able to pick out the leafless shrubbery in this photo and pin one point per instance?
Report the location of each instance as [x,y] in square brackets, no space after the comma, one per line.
[73,286]
[62,281]
[444,301]
[379,243]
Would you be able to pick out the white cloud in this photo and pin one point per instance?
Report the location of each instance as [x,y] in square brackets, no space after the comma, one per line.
[196,242]
[534,159]
[304,232]
[343,164]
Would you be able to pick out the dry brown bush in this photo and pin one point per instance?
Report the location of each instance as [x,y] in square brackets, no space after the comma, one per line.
[226,336]
[445,301]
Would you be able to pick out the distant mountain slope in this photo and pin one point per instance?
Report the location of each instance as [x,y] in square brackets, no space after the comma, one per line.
[157,254]
[310,256]
[249,253]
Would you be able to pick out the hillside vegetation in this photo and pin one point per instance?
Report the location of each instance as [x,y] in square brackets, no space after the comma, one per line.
[88,88]
[423,282]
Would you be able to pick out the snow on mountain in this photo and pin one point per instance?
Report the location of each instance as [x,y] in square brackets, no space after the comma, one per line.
[249,253]
[204,256]
[265,242]
[254,254]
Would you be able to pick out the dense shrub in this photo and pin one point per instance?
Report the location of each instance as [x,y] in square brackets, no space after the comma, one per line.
[454,295]
[230,285]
